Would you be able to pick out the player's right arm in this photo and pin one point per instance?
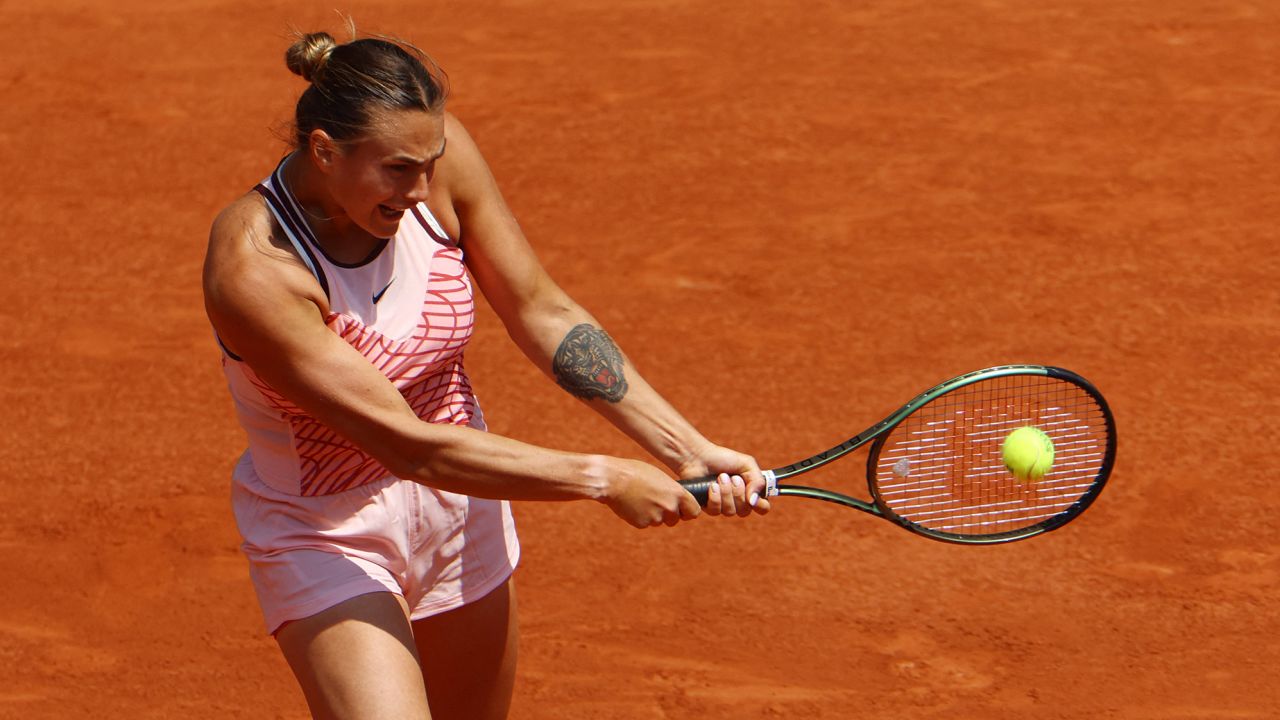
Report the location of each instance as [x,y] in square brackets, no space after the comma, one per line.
[269,310]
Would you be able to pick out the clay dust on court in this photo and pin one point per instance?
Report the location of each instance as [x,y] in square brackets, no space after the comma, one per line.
[793,217]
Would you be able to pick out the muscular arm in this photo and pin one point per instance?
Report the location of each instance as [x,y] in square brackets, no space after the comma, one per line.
[556,333]
[267,308]
[589,365]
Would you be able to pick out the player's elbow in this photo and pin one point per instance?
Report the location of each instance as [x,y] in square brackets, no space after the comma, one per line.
[403,465]
[423,455]
[539,301]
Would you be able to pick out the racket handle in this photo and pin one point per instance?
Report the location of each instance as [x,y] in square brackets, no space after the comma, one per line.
[699,488]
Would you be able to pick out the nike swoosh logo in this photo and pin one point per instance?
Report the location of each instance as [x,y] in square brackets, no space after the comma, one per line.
[378,295]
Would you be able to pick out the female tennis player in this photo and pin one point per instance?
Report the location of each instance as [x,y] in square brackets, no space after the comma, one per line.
[372,503]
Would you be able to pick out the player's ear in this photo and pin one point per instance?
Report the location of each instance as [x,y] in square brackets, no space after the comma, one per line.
[322,148]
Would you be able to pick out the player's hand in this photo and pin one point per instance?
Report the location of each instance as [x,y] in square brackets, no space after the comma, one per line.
[645,496]
[739,489]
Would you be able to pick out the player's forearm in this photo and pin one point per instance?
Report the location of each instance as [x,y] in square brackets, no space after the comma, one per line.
[572,348]
[646,417]
[472,462]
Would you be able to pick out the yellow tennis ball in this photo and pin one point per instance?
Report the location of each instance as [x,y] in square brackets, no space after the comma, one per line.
[1028,453]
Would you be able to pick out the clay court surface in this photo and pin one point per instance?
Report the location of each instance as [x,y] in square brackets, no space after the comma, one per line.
[794,216]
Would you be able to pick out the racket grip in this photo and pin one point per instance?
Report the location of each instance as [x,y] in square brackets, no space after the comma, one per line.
[699,488]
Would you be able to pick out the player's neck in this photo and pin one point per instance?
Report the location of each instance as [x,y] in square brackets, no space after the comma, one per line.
[333,229]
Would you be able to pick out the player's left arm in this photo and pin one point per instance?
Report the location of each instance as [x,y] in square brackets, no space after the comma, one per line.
[568,343]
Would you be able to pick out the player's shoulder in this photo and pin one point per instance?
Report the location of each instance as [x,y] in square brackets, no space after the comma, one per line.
[245,219]
[453,127]
[462,170]
[249,254]
[248,227]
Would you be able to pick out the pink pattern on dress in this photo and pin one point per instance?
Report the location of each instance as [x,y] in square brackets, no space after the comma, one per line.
[426,368]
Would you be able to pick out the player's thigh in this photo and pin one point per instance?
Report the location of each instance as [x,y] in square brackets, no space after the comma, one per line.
[468,657]
[357,660]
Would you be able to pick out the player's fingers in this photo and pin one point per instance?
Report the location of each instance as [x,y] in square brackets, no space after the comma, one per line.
[756,499]
[688,507]
[662,516]
[713,497]
[741,507]
[756,488]
[671,517]
[728,502]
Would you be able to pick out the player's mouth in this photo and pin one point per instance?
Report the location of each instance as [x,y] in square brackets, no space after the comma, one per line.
[391,213]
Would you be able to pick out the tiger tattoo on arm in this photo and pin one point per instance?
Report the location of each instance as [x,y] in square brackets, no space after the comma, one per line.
[589,365]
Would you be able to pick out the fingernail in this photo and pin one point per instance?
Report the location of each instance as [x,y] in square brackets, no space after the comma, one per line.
[737,481]
[754,498]
[723,477]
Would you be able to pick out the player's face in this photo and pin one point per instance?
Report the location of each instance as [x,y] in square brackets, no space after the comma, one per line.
[377,178]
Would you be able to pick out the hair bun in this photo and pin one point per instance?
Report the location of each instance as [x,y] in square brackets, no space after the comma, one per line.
[308,55]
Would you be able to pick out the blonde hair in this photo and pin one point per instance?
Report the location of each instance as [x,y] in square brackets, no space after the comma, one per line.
[350,80]
[311,51]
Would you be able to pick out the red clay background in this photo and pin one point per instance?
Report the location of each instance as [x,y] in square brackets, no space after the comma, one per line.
[793,216]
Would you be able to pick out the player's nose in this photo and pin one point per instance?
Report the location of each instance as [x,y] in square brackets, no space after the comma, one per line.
[417,192]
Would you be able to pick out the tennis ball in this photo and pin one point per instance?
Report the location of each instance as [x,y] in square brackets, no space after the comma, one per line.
[1028,453]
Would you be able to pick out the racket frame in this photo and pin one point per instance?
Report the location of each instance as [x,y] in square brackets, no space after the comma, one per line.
[878,432]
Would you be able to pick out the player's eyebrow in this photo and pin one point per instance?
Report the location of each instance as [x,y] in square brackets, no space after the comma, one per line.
[416,161]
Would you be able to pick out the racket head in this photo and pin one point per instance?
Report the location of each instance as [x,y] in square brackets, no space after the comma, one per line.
[938,470]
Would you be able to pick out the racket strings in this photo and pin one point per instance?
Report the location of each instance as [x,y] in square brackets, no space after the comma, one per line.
[942,467]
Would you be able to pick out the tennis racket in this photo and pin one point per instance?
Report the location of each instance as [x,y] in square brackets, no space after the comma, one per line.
[936,468]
